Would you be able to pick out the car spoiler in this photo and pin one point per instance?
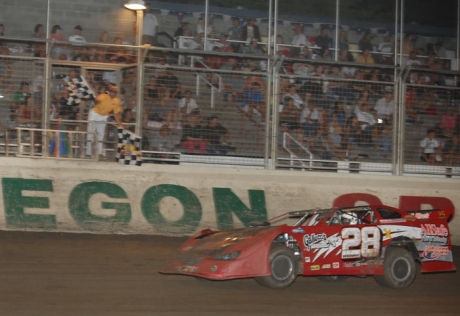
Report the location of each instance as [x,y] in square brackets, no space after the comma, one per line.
[434,214]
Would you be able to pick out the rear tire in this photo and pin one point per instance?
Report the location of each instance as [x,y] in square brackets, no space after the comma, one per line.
[399,268]
[283,267]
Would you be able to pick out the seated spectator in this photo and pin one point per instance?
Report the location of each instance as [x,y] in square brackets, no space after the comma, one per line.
[451,149]
[339,110]
[60,50]
[20,97]
[5,75]
[292,93]
[181,29]
[192,134]
[352,133]
[447,125]
[168,105]
[119,55]
[411,60]
[334,141]
[430,148]
[28,113]
[233,86]
[280,49]
[309,117]
[187,105]
[290,116]
[252,49]
[386,48]
[432,62]
[302,70]
[152,91]
[318,143]
[345,56]
[127,116]
[439,50]
[255,101]
[343,41]
[386,105]
[381,138]
[196,43]
[216,137]
[39,49]
[323,40]
[408,44]
[336,87]
[299,38]
[201,28]
[365,57]
[365,42]
[367,120]
[235,32]
[163,144]
[250,31]
[315,83]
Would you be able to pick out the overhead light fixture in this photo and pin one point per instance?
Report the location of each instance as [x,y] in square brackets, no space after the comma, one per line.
[135,5]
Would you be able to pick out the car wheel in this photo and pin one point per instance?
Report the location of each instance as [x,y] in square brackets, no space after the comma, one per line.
[283,267]
[399,268]
[333,278]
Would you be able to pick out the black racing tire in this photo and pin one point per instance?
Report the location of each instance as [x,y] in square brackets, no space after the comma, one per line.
[283,267]
[333,278]
[400,269]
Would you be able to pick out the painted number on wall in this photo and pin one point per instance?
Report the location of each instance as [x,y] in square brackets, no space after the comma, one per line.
[360,243]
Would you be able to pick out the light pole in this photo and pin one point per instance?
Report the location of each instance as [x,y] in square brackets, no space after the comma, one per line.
[138,5]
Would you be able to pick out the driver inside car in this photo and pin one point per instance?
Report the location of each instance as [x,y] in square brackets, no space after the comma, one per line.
[349,218]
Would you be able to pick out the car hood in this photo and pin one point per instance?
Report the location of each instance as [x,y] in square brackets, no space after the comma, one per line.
[215,243]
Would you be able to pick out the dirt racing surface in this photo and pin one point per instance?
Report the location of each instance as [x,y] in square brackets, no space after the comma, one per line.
[77,274]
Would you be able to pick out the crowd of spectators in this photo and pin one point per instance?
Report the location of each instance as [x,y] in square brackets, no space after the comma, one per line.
[330,109]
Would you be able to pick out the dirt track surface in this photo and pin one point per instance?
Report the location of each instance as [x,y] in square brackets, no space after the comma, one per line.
[76,274]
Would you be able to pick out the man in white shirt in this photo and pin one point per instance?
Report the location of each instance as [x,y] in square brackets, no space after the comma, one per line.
[428,148]
[187,105]
[386,105]
[292,93]
[77,35]
[78,53]
[299,38]
[149,27]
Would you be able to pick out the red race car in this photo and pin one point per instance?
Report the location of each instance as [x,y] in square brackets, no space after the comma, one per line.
[379,240]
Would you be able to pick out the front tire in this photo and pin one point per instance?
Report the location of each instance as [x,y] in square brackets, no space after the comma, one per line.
[283,267]
[399,268]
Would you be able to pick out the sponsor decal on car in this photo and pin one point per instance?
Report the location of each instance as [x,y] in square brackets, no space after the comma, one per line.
[326,266]
[214,268]
[318,241]
[186,268]
[434,234]
[396,220]
[307,259]
[315,268]
[298,230]
[442,214]
[187,248]
[336,265]
[422,215]
[433,252]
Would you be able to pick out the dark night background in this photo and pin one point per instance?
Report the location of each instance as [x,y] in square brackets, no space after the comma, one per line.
[441,13]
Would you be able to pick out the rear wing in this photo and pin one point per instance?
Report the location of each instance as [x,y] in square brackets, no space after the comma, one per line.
[435,214]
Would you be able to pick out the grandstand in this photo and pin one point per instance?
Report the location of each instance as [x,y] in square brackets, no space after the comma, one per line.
[281,111]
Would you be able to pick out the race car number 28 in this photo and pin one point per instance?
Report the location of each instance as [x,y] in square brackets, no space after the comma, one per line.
[360,243]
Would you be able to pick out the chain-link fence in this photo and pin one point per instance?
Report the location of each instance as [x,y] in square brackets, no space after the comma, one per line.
[248,109]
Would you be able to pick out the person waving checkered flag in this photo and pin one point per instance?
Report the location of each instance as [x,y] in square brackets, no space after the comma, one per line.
[128,149]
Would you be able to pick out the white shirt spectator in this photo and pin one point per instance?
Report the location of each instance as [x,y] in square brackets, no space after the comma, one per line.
[430,145]
[298,103]
[77,38]
[299,40]
[306,111]
[191,105]
[365,117]
[110,76]
[149,25]
[38,84]
[384,108]
[385,47]
[348,72]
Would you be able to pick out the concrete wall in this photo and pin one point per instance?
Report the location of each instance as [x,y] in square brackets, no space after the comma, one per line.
[47,195]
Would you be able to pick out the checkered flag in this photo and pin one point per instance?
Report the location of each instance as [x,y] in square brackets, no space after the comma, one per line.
[79,90]
[128,148]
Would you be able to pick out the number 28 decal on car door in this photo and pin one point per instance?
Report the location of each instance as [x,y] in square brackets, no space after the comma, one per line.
[360,243]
